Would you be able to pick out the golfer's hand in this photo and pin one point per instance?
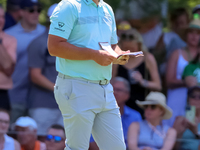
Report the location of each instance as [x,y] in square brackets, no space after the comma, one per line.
[123,60]
[104,58]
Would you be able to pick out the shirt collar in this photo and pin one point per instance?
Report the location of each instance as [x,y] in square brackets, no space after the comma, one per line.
[20,28]
[88,2]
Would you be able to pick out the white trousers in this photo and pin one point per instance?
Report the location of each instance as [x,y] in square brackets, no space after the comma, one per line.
[89,108]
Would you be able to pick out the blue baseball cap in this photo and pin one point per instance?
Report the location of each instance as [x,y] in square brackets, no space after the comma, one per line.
[29,3]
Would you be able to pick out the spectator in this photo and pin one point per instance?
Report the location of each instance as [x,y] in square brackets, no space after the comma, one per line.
[179,20]
[122,26]
[25,31]
[55,139]
[196,9]
[13,13]
[151,134]
[177,91]
[8,46]
[43,75]
[6,142]
[141,72]
[191,74]
[26,129]
[145,16]
[170,41]
[122,93]
[188,128]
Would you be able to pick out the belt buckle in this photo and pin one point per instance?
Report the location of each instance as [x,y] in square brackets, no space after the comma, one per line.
[104,82]
[100,82]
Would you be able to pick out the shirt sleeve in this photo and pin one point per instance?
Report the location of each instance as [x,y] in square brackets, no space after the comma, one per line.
[187,71]
[63,19]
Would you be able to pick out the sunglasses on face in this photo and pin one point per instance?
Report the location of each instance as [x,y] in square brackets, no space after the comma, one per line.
[151,106]
[56,138]
[32,10]
[196,97]
[127,37]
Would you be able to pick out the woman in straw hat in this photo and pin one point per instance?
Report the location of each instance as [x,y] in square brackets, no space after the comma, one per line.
[141,72]
[177,91]
[151,134]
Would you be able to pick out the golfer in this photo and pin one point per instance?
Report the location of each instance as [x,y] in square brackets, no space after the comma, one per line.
[82,90]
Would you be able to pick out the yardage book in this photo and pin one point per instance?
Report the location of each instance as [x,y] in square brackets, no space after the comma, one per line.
[107,47]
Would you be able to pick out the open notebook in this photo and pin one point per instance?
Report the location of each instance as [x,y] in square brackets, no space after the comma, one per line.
[107,47]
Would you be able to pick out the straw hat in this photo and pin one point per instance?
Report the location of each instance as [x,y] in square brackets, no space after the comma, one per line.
[156,98]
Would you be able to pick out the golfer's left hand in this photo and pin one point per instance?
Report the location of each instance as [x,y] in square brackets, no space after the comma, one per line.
[124,59]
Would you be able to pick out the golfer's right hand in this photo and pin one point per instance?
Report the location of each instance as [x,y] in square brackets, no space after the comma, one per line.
[104,58]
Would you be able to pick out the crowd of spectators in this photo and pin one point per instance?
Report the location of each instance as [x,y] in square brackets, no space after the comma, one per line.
[158,94]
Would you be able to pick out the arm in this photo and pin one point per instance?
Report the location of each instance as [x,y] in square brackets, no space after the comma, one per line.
[153,70]
[169,140]
[133,135]
[39,79]
[59,47]
[190,81]
[6,61]
[17,145]
[114,70]
[180,125]
[171,80]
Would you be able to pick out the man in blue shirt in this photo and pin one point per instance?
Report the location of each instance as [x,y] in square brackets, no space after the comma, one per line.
[25,32]
[82,90]
[128,115]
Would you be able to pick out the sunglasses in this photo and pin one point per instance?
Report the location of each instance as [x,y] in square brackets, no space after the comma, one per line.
[153,107]
[196,97]
[32,10]
[56,138]
[127,37]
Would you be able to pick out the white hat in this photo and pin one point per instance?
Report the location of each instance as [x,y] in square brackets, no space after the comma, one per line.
[51,9]
[26,122]
[156,98]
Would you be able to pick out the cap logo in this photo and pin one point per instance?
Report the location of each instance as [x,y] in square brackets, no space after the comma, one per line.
[60,24]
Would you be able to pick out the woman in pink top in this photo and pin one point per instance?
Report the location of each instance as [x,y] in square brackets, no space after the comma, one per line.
[7,60]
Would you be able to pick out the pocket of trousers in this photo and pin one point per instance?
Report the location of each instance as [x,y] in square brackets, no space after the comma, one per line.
[62,89]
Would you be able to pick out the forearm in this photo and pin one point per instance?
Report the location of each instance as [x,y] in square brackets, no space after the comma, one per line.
[6,61]
[175,83]
[43,82]
[65,50]
[170,139]
[153,85]
[134,148]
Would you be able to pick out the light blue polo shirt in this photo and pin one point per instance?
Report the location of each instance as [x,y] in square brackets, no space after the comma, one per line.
[84,24]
